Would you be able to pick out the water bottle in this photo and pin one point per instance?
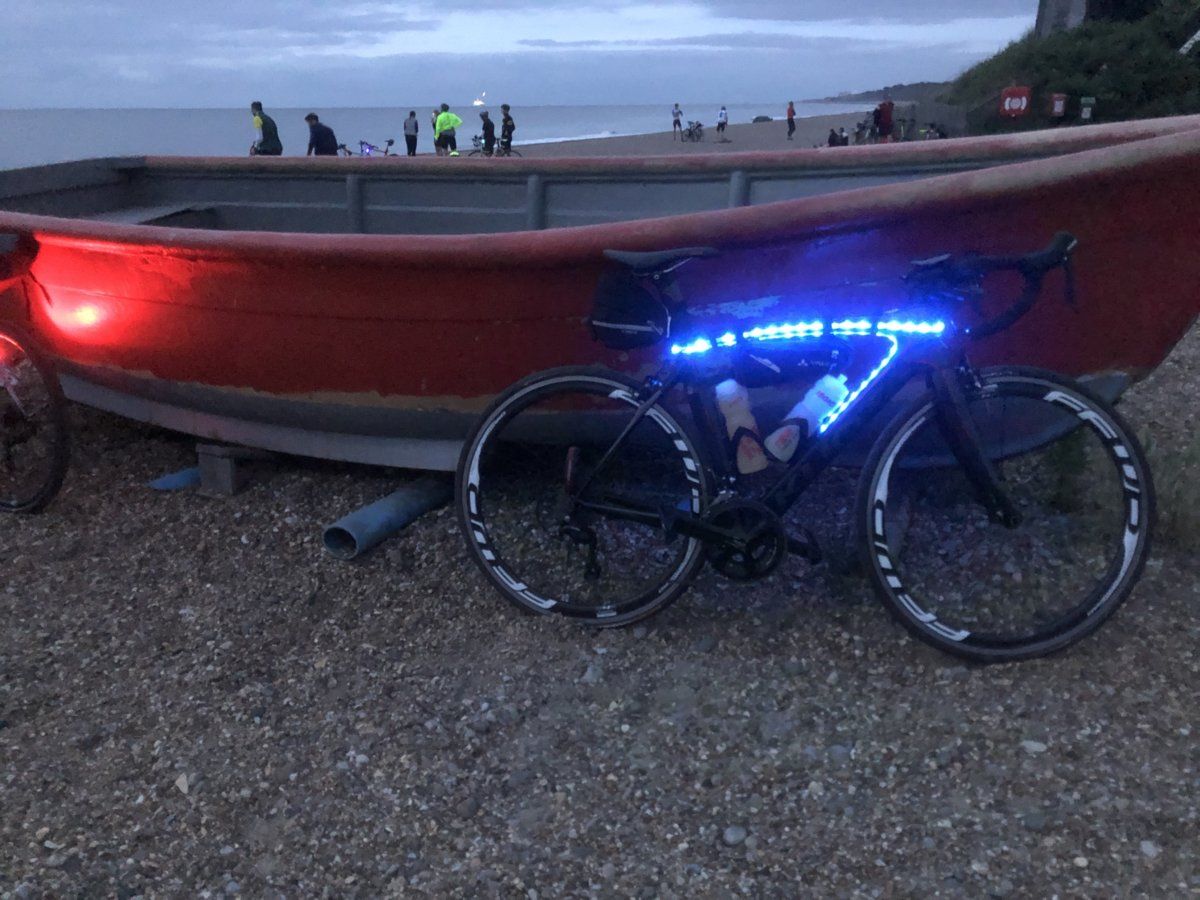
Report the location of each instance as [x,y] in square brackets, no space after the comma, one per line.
[821,399]
[734,402]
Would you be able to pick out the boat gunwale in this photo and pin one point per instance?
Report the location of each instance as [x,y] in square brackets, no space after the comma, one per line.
[728,227]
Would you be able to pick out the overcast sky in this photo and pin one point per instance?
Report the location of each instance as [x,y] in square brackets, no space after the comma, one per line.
[218,53]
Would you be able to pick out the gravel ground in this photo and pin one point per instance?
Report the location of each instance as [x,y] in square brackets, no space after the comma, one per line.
[196,700]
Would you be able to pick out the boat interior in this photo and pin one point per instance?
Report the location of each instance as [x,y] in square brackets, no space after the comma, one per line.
[399,196]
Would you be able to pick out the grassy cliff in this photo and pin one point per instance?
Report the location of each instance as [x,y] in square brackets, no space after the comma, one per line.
[1132,68]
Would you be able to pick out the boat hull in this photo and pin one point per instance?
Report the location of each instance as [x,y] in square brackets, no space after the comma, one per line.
[381,348]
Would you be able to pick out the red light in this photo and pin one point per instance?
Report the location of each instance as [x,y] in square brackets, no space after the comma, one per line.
[86,316]
[78,319]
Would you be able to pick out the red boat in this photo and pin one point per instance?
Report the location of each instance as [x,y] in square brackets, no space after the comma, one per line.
[367,309]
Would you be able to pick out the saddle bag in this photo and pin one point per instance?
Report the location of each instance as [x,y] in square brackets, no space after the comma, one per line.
[627,313]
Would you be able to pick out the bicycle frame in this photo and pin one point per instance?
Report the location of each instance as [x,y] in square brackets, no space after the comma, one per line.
[941,362]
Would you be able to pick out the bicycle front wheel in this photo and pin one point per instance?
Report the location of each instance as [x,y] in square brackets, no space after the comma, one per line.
[561,490]
[1082,489]
[33,427]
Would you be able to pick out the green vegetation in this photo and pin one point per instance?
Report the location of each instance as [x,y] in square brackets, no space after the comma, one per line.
[1132,68]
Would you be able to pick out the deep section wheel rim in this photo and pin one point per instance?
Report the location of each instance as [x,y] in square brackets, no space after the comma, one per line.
[515,505]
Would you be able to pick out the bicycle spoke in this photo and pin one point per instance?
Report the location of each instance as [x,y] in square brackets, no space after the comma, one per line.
[971,582]
[578,526]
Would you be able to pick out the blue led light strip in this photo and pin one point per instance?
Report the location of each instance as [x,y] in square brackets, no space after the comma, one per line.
[831,416]
[798,330]
[778,332]
[894,327]
[699,345]
[843,328]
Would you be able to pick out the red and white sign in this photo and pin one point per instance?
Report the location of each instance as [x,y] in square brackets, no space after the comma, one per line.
[1058,105]
[1014,101]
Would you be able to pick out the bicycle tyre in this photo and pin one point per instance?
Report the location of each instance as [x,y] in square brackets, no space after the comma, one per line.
[15,347]
[513,529]
[1086,495]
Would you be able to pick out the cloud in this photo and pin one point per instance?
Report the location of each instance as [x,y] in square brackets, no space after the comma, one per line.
[747,40]
[906,11]
[72,53]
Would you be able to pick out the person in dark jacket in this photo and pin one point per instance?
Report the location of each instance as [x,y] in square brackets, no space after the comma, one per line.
[268,143]
[321,139]
[410,132]
[489,133]
[507,127]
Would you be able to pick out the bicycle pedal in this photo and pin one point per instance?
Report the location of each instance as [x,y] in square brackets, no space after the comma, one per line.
[806,547]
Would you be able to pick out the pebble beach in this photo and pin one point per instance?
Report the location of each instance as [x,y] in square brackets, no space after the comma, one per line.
[810,131]
[195,699]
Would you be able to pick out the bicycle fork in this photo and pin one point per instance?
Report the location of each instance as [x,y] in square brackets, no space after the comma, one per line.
[965,442]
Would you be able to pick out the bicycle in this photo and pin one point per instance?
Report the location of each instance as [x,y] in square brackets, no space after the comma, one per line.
[694,132]
[1002,514]
[502,148]
[34,448]
[366,148]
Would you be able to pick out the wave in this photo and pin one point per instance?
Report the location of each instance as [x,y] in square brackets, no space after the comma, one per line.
[579,137]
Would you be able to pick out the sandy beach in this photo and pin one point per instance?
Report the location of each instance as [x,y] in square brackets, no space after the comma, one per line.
[762,136]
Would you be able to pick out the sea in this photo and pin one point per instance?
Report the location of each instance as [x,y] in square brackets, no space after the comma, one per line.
[31,137]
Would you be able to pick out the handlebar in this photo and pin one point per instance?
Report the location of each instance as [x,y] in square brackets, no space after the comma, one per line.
[963,274]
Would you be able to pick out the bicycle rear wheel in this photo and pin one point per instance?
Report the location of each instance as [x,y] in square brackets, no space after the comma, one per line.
[564,518]
[33,427]
[985,591]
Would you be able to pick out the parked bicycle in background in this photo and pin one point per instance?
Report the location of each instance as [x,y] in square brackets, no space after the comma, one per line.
[366,148]
[502,148]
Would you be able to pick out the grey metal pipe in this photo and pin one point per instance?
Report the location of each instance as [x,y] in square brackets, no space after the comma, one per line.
[364,528]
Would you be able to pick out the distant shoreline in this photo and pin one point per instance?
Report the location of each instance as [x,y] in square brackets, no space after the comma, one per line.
[918,92]
[85,133]
[810,130]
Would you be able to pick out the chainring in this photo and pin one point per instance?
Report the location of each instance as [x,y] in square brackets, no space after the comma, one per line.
[757,541]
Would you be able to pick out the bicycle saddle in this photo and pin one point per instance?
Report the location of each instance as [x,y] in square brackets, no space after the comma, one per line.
[658,260]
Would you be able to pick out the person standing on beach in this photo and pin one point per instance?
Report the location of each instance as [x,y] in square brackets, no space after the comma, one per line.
[437,145]
[410,132]
[843,138]
[507,127]
[886,110]
[489,133]
[676,122]
[321,139]
[268,143]
[722,121]
[791,119]
[445,130]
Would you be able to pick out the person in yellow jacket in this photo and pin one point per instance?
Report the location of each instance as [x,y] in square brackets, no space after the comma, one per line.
[444,130]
